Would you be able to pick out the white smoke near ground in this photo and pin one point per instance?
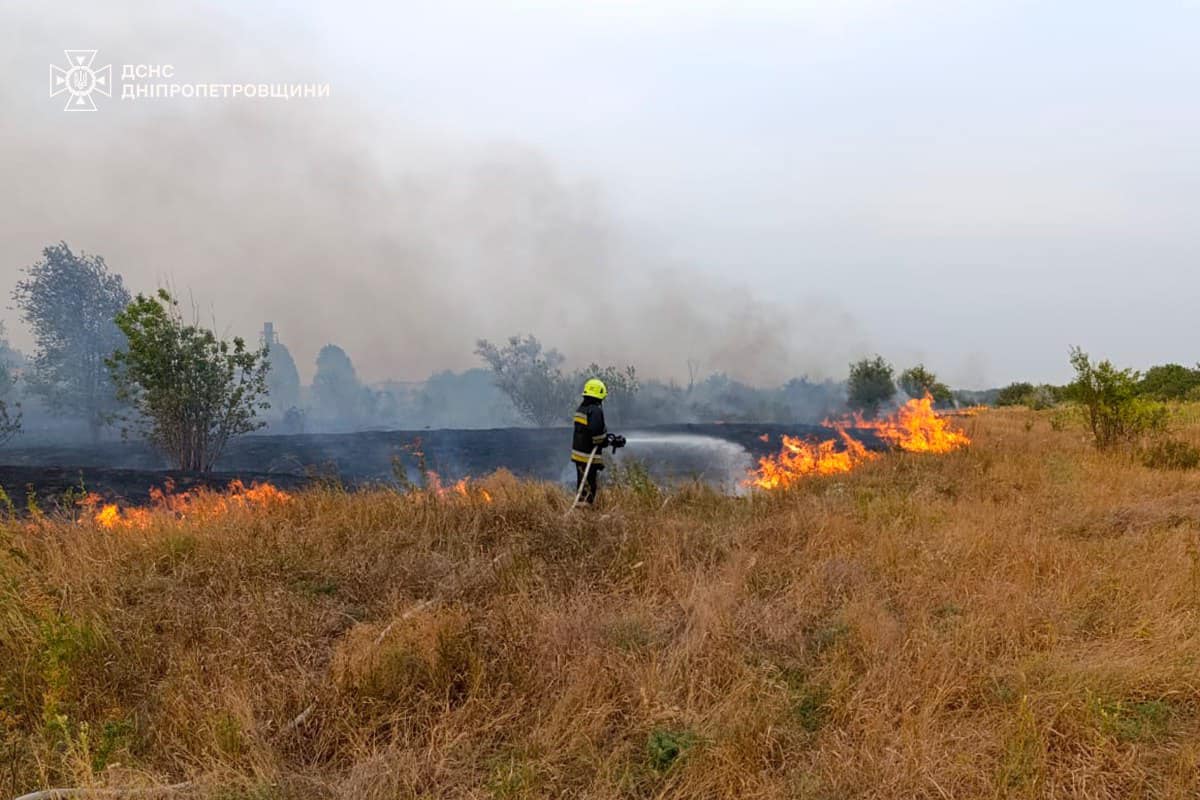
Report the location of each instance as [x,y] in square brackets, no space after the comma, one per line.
[338,224]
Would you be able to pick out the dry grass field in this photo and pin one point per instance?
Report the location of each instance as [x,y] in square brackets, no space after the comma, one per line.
[1017,619]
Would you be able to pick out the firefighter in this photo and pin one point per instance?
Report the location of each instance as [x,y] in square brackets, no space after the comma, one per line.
[590,438]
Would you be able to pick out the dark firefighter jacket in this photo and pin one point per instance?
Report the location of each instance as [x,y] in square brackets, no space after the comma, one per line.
[589,432]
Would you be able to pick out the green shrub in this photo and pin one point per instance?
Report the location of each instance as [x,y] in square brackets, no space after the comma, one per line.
[189,391]
[918,382]
[1065,417]
[665,747]
[1014,394]
[870,385]
[1109,397]
[1026,394]
[114,735]
[1171,454]
[810,707]
[1132,721]
[632,474]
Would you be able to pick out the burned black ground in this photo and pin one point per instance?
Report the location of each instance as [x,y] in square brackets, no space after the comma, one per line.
[710,452]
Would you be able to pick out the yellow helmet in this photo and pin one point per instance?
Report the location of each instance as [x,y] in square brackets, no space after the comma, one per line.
[595,388]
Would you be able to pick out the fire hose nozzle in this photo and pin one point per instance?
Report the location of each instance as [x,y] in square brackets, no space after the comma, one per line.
[615,441]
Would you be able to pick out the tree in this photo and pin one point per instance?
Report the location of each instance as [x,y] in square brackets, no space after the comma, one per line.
[283,379]
[870,385]
[622,385]
[542,393]
[1169,382]
[10,420]
[10,357]
[918,381]
[531,377]
[1015,394]
[10,413]
[70,302]
[693,369]
[337,392]
[1023,393]
[1109,398]
[191,392]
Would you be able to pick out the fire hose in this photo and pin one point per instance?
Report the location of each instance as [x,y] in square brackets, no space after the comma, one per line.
[66,794]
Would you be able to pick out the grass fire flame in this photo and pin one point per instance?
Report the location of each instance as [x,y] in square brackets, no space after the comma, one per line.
[915,428]
[206,503]
[200,503]
[464,488]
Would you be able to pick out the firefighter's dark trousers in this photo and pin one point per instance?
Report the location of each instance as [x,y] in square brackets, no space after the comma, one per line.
[589,491]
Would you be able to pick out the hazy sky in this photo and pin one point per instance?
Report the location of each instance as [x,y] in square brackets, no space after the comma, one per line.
[770,188]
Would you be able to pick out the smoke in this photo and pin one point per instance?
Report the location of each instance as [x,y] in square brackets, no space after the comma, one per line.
[340,223]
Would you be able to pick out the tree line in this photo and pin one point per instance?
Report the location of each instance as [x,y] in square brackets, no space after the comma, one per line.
[1162,382]
[533,378]
[113,359]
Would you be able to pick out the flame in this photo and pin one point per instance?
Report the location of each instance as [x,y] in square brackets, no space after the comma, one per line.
[915,427]
[204,503]
[109,516]
[798,459]
[261,493]
[166,502]
[462,488]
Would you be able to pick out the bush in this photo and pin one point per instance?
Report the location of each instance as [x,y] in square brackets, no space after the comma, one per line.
[190,391]
[665,747]
[533,379]
[1066,417]
[1042,397]
[633,475]
[1114,412]
[1171,454]
[1015,394]
[1024,393]
[918,382]
[870,385]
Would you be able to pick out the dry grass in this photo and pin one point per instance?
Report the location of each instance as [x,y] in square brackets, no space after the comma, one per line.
[1015,620]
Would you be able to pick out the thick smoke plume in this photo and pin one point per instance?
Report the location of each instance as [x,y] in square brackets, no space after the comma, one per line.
[341,225]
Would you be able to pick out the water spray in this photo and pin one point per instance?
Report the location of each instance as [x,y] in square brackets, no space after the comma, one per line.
[731,459]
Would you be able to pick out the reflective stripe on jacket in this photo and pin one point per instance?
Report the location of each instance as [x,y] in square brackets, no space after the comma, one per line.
[589,433]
